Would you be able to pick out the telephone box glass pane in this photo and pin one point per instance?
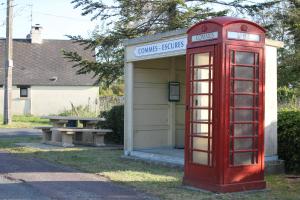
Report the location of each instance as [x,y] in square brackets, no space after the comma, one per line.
[243,115]
[201,87]
[201,129]
[200,143]
[201,59]
[245,129]
[201,73]
[243,144]
[201,101]
[200,115]
[200,157]
[243,86]
[246,58]
[243,158]
[244,101]
[243,72]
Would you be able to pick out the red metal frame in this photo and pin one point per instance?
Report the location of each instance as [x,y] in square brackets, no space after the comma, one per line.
[221,174]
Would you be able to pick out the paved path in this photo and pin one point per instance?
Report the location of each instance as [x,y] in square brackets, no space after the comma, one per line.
[36,179]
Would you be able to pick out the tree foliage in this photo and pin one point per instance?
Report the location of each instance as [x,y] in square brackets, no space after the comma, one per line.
[283,23]
[109,54]
[125,19]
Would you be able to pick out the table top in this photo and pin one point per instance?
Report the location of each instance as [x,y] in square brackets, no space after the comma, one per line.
[73,118]
[82,129]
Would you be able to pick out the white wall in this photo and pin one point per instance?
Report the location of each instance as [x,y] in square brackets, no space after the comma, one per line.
[52,100]
[271,102]
[180,106]
[20,105]
[45,100]
[158,122]
[150,106]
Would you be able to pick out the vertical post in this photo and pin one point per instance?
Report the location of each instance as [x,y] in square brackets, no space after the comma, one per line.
[8,64]
[128,114]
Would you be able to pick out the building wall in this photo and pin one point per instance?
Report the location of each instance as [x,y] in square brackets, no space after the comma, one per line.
[158,122]
[180,106]
[45,100]
[150,106]
[20,105]
[271,101]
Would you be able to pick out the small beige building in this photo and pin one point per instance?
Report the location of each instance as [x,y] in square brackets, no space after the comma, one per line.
[153,124]
[43,81]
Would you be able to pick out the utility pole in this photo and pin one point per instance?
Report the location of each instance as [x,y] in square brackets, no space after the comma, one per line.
[7,117]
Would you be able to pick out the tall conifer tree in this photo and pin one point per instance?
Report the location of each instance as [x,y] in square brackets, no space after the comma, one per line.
[125,19]
[283,23]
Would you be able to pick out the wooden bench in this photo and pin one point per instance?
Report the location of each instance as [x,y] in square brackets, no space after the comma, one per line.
[68,136]
[47,133]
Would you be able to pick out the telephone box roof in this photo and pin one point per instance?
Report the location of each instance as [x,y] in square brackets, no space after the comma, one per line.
[224,21]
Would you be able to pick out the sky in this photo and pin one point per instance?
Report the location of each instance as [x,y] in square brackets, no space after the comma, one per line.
[57,17]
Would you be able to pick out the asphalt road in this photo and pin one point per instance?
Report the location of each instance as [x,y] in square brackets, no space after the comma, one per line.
[15,132]
[36,179]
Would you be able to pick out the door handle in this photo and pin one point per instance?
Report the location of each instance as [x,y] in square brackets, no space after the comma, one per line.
[187,107]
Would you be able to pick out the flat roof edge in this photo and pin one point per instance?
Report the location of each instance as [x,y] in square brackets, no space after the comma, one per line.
[274,43]
[178,32]
[154,37]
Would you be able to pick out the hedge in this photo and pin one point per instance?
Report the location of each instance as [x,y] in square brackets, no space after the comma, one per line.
[289,138]
[115,121]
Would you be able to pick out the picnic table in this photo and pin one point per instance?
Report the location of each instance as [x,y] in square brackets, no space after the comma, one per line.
[62,134]
[61,121]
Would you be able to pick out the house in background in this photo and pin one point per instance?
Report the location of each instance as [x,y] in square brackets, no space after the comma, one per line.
[43,81]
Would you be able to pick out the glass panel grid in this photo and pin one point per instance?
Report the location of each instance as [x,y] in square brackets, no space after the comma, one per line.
[201,78]
[243,108]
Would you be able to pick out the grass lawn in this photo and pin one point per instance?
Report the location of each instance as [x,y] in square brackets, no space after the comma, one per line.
[161,181]
[24,121]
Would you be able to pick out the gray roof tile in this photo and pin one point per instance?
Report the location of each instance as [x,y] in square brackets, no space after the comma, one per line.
[36,64]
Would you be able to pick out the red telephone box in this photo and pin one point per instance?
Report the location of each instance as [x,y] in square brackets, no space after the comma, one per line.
[224,137]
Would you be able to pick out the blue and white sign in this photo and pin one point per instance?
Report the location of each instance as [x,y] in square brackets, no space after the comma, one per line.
[161,47]
[243,36]
[205,36]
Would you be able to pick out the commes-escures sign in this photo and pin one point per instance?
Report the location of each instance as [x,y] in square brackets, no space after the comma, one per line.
[161,47]
[181,43]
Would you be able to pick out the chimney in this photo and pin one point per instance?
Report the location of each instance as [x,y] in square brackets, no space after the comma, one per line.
[36,34]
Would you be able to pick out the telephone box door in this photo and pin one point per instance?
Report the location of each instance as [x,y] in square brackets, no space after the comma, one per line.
[199,139]
[245,89]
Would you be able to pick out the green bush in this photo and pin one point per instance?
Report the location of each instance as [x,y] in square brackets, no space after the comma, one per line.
[115,121]
[286,95]
[289,138]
